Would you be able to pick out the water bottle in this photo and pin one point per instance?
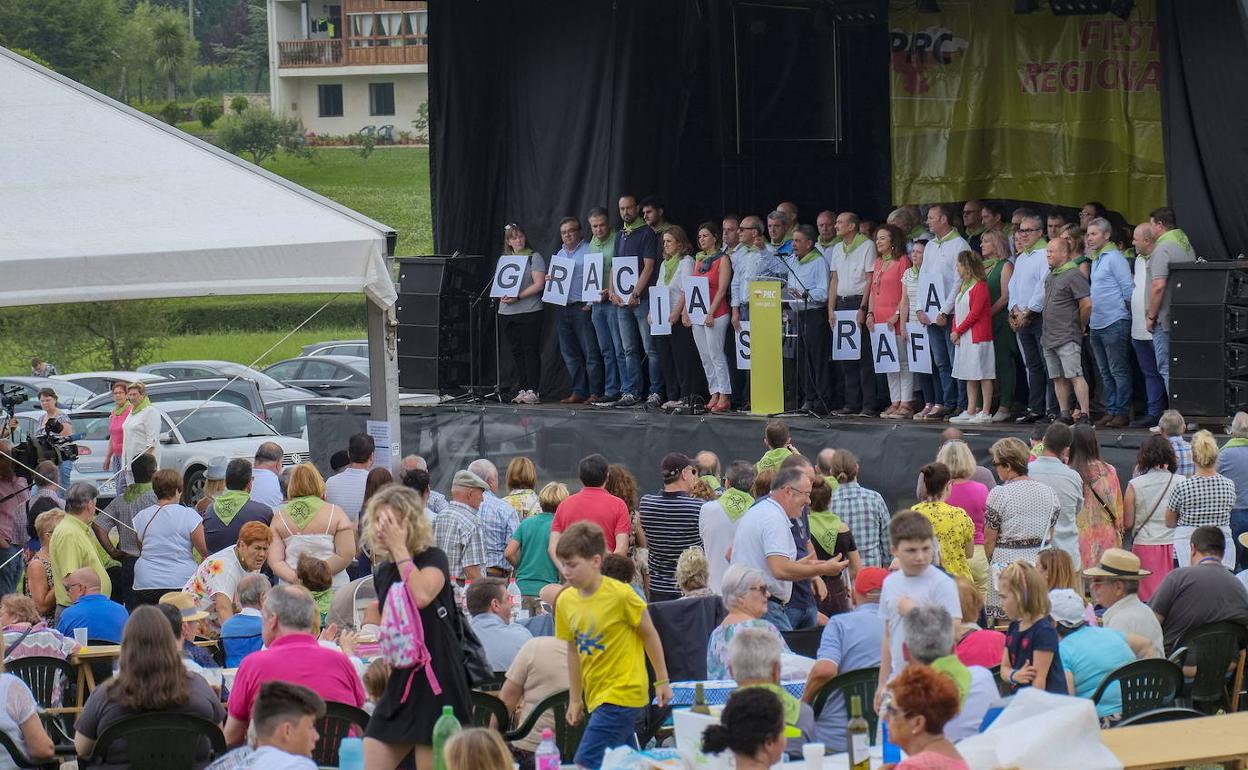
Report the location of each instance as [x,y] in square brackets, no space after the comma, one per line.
[446,726]
[547,755]
[351,754]
[513,596]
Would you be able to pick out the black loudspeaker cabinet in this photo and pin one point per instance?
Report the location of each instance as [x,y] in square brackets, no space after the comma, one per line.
[1213,397]
[1209,283]
[1209,338]
[435,309]
[1208,323]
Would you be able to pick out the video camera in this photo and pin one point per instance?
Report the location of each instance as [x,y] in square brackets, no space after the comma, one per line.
[48,445]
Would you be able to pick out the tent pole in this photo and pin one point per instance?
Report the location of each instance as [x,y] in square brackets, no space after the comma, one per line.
[383,363]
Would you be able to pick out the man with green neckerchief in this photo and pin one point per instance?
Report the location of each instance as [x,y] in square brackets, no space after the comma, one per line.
[1170,245]
[717,521]
[1067,307]
[231,509]
[602,313]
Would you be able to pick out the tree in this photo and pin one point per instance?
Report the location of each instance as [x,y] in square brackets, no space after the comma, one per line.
[110,335]
[260,133]
[252,51]
[77,37]
[207,111]
[172,48]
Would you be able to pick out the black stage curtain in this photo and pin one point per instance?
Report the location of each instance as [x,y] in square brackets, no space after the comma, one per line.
[1204,99]
[541,110]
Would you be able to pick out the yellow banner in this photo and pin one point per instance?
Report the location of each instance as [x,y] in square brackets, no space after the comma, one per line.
[987,103]
[766,362]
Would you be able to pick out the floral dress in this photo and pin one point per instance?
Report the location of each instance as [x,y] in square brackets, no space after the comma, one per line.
[954,529]
[1099,520]
[717,645]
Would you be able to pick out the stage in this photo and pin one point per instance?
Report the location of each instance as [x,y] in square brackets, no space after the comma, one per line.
[556,436]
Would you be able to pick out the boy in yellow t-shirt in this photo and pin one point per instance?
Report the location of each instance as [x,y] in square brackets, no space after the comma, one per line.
[609,633]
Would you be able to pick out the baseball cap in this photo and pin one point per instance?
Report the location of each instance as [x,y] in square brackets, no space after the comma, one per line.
[674,463]
[869,579]
[1066,606]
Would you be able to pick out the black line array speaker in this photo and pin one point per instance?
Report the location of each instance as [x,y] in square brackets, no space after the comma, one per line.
[1209,338]
[436,328]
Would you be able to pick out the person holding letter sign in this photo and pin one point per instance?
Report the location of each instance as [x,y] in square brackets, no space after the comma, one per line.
[520,316]
[852,260]
[602,312]
[676,350]
[577,341]
[973,358]
[715,266]
[884,306]
[911,301]
[636,239]
[940,275]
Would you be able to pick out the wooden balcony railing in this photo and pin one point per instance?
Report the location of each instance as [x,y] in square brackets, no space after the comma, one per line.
[362,51]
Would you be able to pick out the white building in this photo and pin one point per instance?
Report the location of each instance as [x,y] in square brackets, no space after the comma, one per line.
[343,65]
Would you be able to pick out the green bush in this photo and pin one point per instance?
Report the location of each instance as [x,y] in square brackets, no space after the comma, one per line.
[238,104]
[207,110]
[367,143]
[170,113]
[266,313]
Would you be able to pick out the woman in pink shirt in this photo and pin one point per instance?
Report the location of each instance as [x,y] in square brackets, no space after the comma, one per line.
[113,455]
[972,497]
[884,307]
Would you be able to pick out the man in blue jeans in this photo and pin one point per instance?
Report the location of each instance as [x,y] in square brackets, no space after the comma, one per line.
[1170,244]
[577,342]
[637,239]
[1031,268]
[1110,323]
[602,312]
[940,257]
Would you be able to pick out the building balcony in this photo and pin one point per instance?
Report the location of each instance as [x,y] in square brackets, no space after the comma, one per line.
[354,51]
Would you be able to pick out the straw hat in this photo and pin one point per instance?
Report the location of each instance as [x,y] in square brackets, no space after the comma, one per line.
[185,604]
[1118,563]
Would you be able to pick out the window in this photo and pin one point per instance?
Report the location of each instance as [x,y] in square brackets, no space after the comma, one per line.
[284,371]
[321,370]
[381,98]
[330,98]
[211,424]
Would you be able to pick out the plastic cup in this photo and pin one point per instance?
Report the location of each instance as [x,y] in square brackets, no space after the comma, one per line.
[813,754]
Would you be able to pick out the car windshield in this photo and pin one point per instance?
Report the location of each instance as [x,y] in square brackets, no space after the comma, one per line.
[67,391]
[216,423]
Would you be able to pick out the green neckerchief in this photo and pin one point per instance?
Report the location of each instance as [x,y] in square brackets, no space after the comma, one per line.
[145,403]
[949,236]
[669,268]
[302,510]
[662,228]
[915,232]
[1056,271]
[629,227]
[227,504]
[826,244]
[914,270]
[522,252]
[1236,442]
[811,256]
[119,410]
[735,503]
[832,483]
[702,257]
[1176,236]
[966,286]
[792,706]
[858,240]
[711,481]
[974,231]
[824,526]
[990,264]
[953,668]
[1107,247]
[1129,253]
[886,258]
[133,492]
[606,247]
[751,249]
[1040,245]
[772,458]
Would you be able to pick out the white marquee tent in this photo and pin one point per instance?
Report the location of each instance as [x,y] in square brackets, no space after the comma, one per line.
[101,202]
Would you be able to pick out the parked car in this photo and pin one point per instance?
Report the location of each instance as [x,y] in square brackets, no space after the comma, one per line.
[342,376]
[68,394]
[357,348]
[240,392]
[183,370]
[290,416]
[193,433]
[102,382]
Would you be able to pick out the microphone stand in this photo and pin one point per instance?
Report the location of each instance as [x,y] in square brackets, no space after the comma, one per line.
[473,394]
[802,369]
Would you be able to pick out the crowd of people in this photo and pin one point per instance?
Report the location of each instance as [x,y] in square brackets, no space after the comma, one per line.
[1036,565]
[1030,316]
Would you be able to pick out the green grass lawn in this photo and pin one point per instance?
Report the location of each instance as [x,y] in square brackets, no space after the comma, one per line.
[245,347]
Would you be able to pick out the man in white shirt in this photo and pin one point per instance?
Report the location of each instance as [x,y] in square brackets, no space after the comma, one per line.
[490,608]
[717,521]
[852,261]
[1114,584]
[764,540]
[266,487]
[1051,469]
[1141,338]
[345,489]
[940,260]
[1031,268]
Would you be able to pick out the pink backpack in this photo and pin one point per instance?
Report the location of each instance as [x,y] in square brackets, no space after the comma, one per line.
[402,638]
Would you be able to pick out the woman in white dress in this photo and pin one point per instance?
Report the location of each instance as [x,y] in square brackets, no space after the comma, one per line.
[308,524]
[141,430]
[973,358]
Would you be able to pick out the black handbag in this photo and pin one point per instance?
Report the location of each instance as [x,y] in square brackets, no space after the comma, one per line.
[476,663]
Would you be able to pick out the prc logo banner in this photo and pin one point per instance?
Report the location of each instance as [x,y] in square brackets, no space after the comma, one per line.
[1057,109]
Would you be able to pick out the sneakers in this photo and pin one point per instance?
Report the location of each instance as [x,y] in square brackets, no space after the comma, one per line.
[670,405]
[628,399]
[654,400]
[1002,415]
[961,417]
[526,397]
[982,418]
[609,398]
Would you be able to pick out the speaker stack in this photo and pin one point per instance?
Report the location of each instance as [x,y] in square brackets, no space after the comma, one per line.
[1209,338]
[437,330]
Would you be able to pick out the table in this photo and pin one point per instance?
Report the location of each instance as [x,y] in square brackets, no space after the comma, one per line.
[1204,741]
[718,690]
[82,660]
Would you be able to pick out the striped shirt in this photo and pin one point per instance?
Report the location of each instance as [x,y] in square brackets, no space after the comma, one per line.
[121,511]
[670,521]
[457,533]
[1203,501]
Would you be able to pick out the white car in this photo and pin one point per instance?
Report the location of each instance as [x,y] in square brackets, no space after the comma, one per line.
[194,434]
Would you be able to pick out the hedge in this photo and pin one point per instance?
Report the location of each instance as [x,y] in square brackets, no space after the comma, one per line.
[264,313]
